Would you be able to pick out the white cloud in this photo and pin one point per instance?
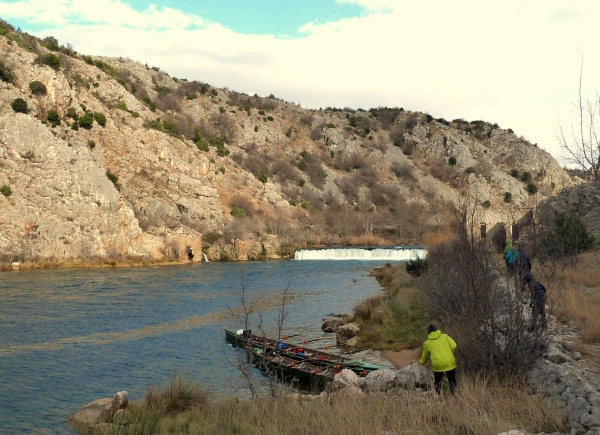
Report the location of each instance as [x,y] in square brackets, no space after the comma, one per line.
[516,64]
[373,5]
[110,12]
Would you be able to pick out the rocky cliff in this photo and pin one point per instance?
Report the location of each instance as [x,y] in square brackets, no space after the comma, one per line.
[114,158]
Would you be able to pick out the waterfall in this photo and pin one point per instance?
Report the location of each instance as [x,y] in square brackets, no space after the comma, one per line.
[205,257]
[394,253]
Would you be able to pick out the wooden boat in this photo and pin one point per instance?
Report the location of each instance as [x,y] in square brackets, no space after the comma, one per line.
[290,369]
[300,353]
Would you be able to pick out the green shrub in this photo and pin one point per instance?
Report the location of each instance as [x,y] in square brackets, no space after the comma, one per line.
[135,114]
[121,105]
[270,118]
[204,88]
[507,197]
[219,144]
[72,113]
[532,189]
[452,161]
[19,105]
[100,118]
[261,112]
[417,267]
[255,128]
[569,236]
[407,151]
[302,182]
[151,104]
[305,205]
[75,125]
[293,202]
[162,89]
[50,42]
[486,204]
[199,141]
[37,88]
[86,121]
[5,190]
[170,127]
[5,73]
[514,173]
[302,164]
[29,155]
[112,177]
[222,169]
[470,170]
[399,142]
[526,177]
[53,117]
[262,177]
[91,144]
[51,60]
[237,212]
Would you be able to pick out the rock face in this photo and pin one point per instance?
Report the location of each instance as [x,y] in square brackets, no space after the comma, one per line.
[138,183]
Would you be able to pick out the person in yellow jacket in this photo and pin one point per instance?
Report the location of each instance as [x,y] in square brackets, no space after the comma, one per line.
[440,347]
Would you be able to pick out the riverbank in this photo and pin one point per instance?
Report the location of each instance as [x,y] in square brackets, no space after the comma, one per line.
[90,263]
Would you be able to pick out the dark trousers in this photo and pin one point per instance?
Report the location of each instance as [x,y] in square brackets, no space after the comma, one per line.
[438,376]
[538,315]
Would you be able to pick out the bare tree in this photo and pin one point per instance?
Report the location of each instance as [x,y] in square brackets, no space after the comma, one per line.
[477,306]
[582,143]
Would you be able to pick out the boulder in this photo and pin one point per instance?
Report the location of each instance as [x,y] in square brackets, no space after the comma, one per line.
[353,342]
[413,376]
[346,379]
[331,325]
[380,380]
[15,265]
[346,332]
[99,411]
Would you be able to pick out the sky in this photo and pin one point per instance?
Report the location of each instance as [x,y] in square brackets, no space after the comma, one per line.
[515,63]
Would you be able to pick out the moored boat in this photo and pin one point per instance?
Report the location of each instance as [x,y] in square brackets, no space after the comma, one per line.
[300,353]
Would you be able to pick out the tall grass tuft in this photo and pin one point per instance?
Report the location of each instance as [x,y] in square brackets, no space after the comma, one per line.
[179,394]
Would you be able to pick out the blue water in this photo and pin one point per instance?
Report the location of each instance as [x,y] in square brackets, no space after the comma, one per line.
[69,337]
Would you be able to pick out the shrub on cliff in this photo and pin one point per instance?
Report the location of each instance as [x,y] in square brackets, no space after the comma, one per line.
[5,73]
[51,60]
[19,105]
[100,118]
[238,212]
[112,177]
[199,141]
[5,190]
[53,117]
[86,121]
[37,88]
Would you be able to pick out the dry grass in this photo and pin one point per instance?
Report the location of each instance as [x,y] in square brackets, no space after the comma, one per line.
[582,296]
[479,407]
[396,320]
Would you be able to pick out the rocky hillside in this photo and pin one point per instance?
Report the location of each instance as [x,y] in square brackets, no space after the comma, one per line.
[108,157]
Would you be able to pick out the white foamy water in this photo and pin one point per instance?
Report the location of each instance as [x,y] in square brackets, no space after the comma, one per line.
[394,253]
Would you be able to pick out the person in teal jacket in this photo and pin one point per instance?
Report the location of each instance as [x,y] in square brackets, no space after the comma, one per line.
[440,348]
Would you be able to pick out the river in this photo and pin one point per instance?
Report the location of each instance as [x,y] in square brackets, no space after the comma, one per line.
[69,337]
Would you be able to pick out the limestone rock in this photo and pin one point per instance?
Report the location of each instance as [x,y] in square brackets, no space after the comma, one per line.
[99,411]
[413,376]
[346,332]
[380,380]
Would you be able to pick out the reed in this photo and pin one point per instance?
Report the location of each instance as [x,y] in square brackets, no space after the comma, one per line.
[479,407]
